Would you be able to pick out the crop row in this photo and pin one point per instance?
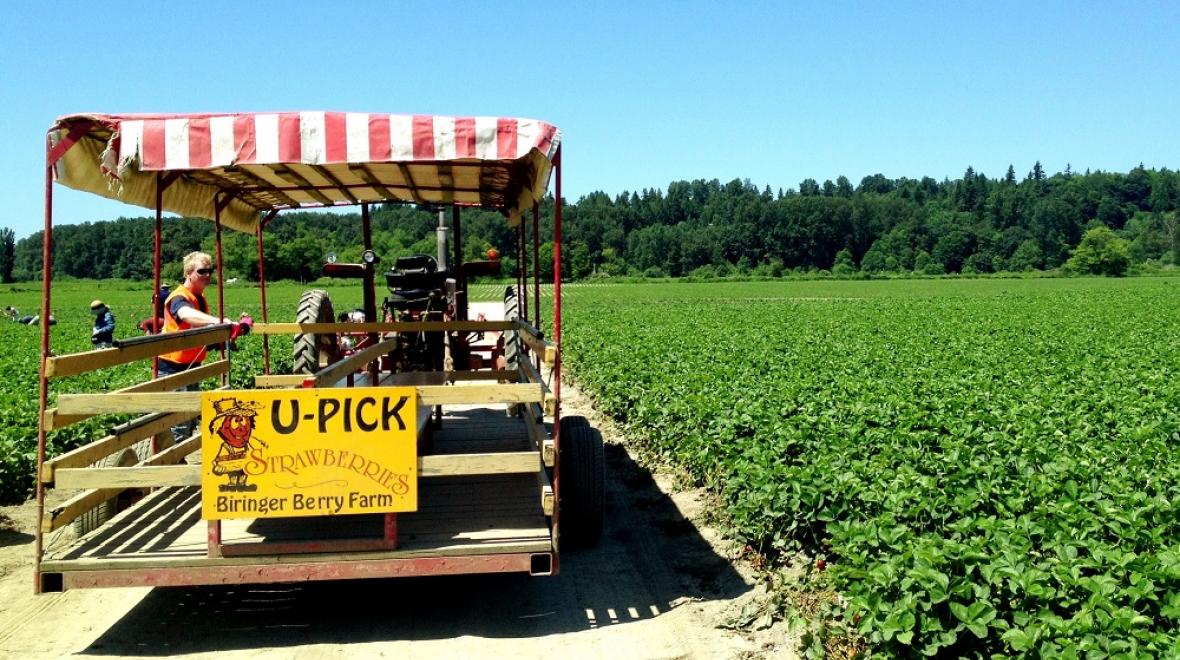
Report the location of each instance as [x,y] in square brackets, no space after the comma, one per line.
[988,471]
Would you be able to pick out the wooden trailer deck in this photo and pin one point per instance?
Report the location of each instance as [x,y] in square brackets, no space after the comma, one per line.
[458,516]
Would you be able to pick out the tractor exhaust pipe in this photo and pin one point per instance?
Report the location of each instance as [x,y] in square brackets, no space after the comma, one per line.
[443,239]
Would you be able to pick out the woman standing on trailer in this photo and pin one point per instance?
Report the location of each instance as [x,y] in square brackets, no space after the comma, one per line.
[184,309]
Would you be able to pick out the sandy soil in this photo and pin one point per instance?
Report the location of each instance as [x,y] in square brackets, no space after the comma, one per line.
[657,586]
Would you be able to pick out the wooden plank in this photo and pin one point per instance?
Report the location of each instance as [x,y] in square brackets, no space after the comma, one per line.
[176,381]
[77,505]
[404,326]
[53,419]
[536,342]
[350,364]
[447,465]
[546,492]
[283,380]
[113,402]
[190,402]
[529,374]
[492,393]
[129,477]
[415,378]
[539,437]
[176,452]
[510,375]
[123,437]
[80,363]
[56,420]
[150,475]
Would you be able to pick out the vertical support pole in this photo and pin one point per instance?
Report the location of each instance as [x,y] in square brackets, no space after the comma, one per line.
[524,267]
[537,267]
[517,272]
[43,391]
[220,279]
[262,290]
[556,373]
[536,272]
[457,267]
[157,304]
[557,288]
[370,296]
[213,538]
[158,440]
[391,530]
[370,293]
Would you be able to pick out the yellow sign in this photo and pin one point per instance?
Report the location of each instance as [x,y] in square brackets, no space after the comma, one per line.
[308,452]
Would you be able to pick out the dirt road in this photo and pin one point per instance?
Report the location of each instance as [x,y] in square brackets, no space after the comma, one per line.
[655,587]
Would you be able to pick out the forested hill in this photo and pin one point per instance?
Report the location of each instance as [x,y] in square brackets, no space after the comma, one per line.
[972,224]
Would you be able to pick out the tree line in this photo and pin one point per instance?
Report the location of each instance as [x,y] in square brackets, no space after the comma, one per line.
[974,224]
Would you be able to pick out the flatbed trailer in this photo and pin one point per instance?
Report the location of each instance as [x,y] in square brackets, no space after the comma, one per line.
[481,483]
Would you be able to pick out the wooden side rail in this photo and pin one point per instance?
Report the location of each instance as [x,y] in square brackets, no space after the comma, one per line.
[438,395]
[279,380]
[539,438]
[296,380]
[402,326]
[80,363]
[190,402]
[82,502]
[528,374]
[119,439]
[535,340]
[142,476]
[55,420]
[334,372]
[68,511]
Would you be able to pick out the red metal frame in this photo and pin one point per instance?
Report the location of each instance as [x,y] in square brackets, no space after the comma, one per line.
[43,392]
[556,373]
[217,206]
[310,570]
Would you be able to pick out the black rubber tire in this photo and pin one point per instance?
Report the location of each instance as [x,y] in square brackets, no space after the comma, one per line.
[314,352]
[511,339]
[94,518]
[583,483]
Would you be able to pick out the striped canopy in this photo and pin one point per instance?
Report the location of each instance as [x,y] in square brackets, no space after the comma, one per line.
[262,161]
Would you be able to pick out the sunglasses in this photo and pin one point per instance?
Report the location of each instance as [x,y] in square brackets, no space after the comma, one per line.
[205,271]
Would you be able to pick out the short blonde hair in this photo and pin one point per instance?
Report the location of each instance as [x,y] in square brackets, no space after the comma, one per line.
[192,259]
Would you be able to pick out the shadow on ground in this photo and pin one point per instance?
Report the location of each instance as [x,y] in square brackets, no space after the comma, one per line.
[649,561]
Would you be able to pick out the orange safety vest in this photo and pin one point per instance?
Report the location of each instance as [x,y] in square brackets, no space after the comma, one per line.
[189,356]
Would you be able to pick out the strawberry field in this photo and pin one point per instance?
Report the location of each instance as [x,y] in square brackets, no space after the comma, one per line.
[987,466]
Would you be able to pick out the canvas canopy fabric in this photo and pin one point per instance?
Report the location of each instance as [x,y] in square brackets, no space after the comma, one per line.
[261,161]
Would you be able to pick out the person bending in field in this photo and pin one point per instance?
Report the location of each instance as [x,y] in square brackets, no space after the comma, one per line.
[103,334]
[186,308]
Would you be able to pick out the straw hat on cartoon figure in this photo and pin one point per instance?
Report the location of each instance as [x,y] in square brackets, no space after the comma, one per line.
[233,424]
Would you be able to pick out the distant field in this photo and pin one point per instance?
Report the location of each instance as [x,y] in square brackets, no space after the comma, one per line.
[988,465]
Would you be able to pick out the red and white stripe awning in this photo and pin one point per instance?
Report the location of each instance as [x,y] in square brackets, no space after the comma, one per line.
[307,159]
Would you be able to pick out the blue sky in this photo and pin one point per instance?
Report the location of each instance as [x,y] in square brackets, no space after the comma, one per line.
[645,93]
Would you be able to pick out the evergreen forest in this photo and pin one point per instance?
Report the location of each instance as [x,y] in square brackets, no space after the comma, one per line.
[974,224]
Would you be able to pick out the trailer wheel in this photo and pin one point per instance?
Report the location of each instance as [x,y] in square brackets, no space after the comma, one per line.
[583,467]
[314,352]
[511,339]
[94,518]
